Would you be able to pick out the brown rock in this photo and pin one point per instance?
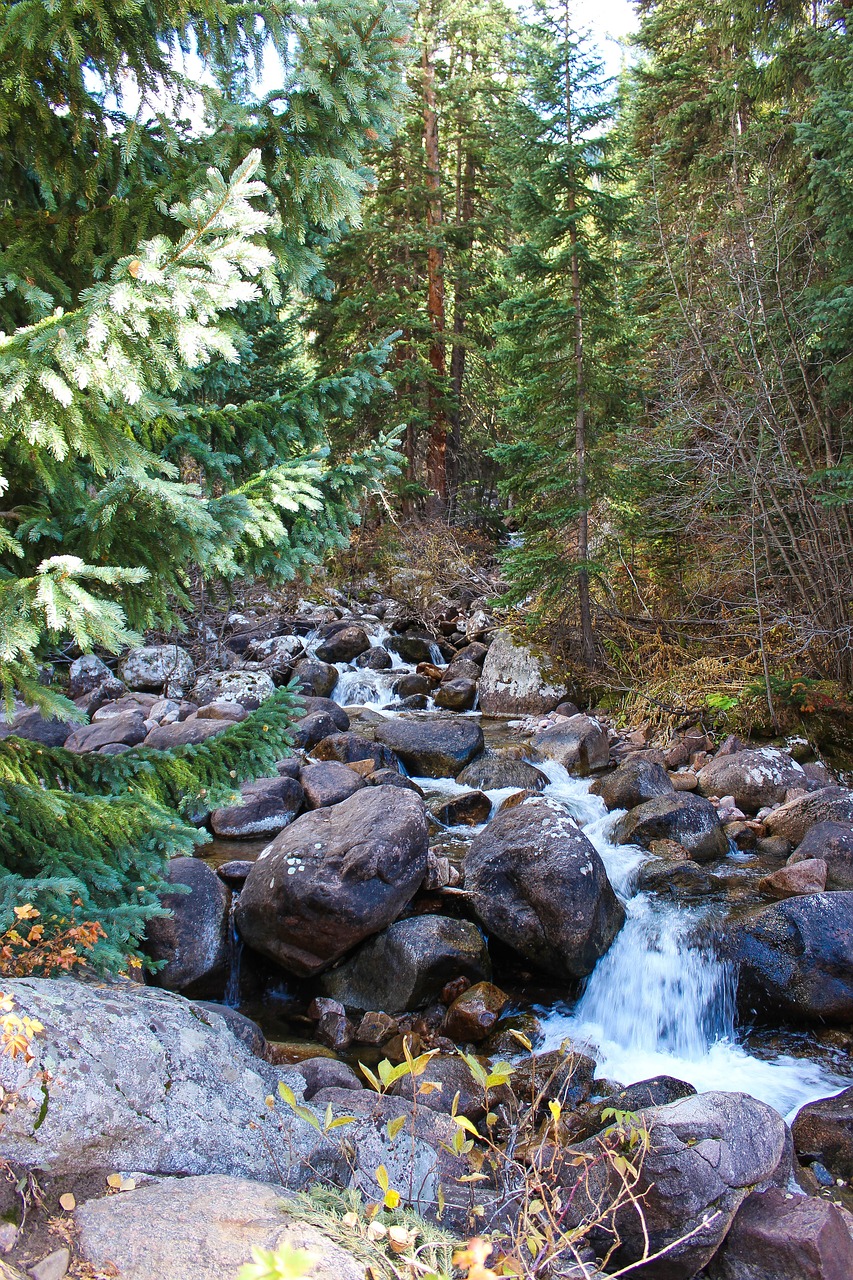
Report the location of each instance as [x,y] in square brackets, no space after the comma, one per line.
[329,783]
[127,729]
[824,1130]
[686,781]
[474,1013]
[808,876]
[786,1238]
[376,1028]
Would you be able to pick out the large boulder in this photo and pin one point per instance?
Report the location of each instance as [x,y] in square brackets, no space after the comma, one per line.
[204,1227]
[832,843]
[31,724]
[193,940]
[706,1153]
[514,681]
[85,674]
[579,744]
[185,733]
[495,770]
[539,885]
[756,778]
[823,1130]
[249,688]
[456,695]
[127,729]
[776,1236]
[406,965]
[349,748]
[792,820]
[796,958]
[334,877]
[690,820]
[158,666]
[315,678]
[344,644]
[329,783]
[435,748]
[633,783]
[266,807]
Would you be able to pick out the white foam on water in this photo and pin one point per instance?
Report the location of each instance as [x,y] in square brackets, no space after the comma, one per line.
[660,1002]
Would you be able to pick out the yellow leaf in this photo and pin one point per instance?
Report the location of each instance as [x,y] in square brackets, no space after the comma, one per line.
[382,1177]
[391,1199]
[67,1201]
[521,1038]
[114,1180]
[394,1126]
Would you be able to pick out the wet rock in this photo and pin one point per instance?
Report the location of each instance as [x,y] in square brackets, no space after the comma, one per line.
[467,810]
[436,748]
[234,871]
[633,783]
[498,769]
[808,876]
[158,666]
[222,709]
[333,878]
[312,729]
[333,1028]
[449,1075]
[564,1076]
[127,729]
[415,702]
[775,1236]
[664,876]
[411,685]
[707,1153]
[474,1013]
[349,748]
[344,645]
[391,778]
[315,678]
[185,733]
[456,695]
[460,669]
[85,674]
[795,957]
[326,1073]
[339,716]
[376,1028]
[413,647]
[204,1227]
[515,680]
[793,820]
[193,941]
[682,816]
[329,783]
[407,965]
[755,778]
[658,1091]
[823,1130]
[832,842]
[539,885]
[266,808]
[579,744]
[375,659]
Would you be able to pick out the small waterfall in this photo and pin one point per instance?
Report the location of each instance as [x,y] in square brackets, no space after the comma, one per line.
[231,997]
[436,657]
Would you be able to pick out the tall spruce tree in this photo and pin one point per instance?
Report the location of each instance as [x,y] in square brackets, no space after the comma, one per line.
[104,336]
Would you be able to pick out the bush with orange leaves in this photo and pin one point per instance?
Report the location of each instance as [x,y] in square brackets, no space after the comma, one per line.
[34,948]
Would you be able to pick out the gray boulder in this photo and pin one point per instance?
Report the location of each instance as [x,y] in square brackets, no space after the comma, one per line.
[329,783]
[580,745]
[435,748]
[795,957]
[85,674]
[193,940]
[334,877]
[406,965]
[832,842]
[756,778]
[539,885]
[689,819]
[792,820]
[316,679]
[375,659]
[495,770]
[633,783]
[249,688]
[343,645]
[514,681]
[414,646]
[266,808]
[158,666]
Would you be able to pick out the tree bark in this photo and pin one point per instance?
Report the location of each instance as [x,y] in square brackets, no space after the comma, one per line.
[436,462]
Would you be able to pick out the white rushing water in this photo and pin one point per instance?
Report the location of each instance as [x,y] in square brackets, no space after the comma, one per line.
[659,1002]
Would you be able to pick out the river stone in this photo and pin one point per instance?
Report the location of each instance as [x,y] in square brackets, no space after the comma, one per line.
[408,964]
[316,679]
[496,770]
[474,652]
[580,745]
[310,731]
[461,669]
[456,695]
[85,674]
[329,783]
[633,783]
[345,644]
[832,842]
[776,1236]
[185,733]
[158,666]
[220,709]
[658,1091]
[267,807]
[792,820]
[127,729]
[452,1073]
[689,819]
[411,685]
[514,682]
[435,748]
[326,1073]
[204,1227]
[143,1079]
[193,941]
[313,705]
[808,876]
[249,688]
[414,646]
[538,884]
[466,810]
[474,1013]
[756,778]
[796,957]
[375,659]
[564,1075]
[707,1153]
[276,651]
[333,878]
[823,1130]
[32,725]
[349,748]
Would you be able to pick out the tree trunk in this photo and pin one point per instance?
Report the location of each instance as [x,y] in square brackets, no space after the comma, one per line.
[461,296]
[436,462]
